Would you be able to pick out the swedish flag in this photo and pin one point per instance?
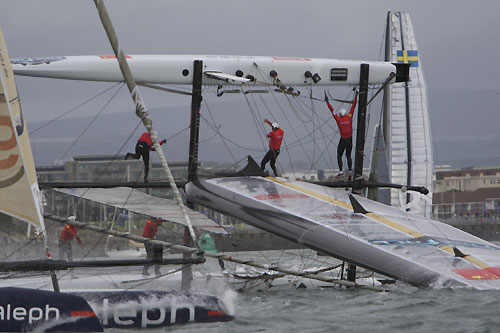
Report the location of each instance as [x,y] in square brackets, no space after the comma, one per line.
[408,57]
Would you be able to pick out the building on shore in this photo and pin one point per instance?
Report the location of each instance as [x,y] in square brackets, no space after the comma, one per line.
[467,194]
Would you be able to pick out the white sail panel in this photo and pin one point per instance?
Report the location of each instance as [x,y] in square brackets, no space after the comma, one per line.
[408,136]
[142,203]
[19,192]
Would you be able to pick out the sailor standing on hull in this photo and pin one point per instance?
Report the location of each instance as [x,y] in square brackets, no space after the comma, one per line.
[344,123]
[275,139]
[142,148]
[68,233]
[152,250]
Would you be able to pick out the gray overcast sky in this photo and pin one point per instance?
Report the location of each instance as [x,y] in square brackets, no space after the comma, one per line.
[458,42]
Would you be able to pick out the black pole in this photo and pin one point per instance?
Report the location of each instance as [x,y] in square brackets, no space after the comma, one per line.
[187,275]
[195,119]
[360,145]
[360,135]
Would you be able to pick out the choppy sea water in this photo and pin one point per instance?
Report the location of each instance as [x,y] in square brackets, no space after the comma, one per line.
[403,308]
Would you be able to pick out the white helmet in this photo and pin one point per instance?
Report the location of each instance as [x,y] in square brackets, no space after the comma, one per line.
[342,112]
[275,125]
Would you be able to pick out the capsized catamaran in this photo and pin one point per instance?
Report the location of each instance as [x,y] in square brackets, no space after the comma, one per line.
[409,247]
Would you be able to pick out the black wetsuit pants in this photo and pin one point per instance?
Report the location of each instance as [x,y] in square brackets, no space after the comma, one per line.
[271,155]
[142,150]
[345,144]
[153,251]
[65,250]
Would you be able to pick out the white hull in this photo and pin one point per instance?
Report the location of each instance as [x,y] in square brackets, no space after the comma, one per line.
[178,69]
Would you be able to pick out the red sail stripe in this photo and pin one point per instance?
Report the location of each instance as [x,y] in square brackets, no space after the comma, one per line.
[11,142]
[9,162]
[216,313]
[82,314]
[490,273]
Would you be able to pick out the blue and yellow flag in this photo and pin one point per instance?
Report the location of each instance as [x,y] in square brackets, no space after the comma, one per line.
[408,57]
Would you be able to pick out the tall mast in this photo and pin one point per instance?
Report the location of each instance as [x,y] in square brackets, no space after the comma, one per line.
[141,110]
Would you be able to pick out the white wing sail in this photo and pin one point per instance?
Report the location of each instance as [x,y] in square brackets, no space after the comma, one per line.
[406,119]
[19,192]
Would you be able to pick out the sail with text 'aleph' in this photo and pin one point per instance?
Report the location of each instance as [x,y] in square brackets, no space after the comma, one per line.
[19,192]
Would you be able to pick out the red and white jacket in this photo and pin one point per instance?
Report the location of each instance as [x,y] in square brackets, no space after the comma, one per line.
[146,138]
[276,137]
[344,123]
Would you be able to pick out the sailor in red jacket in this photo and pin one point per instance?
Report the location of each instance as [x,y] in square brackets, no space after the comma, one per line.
[142,148]
[344,123]
[275,138]
[68,233]
[150,230]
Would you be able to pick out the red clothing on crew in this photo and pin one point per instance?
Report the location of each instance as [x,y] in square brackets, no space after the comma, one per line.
[275,138]
[150,229]
[145,137]
[69,233]
[344,123]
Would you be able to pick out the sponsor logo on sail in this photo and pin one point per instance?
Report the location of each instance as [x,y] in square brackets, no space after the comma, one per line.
[9,157]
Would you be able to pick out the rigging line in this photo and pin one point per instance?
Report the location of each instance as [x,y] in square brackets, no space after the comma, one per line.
[165,89]
[327,144]
[335,132]
[75,203]
[279,105]
[217,131]
[262,127]
[290,124]
[178,133]
[89,124]
[285,145]
[74,108]
[230,141]
[313,132]
[297,114]
[254,117]
[103,171]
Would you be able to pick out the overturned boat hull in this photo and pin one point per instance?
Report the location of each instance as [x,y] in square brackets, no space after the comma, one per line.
[408,247]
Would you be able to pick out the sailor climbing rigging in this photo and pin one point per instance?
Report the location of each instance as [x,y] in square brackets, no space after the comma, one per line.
[275,138]
[142,148]
[344,123]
